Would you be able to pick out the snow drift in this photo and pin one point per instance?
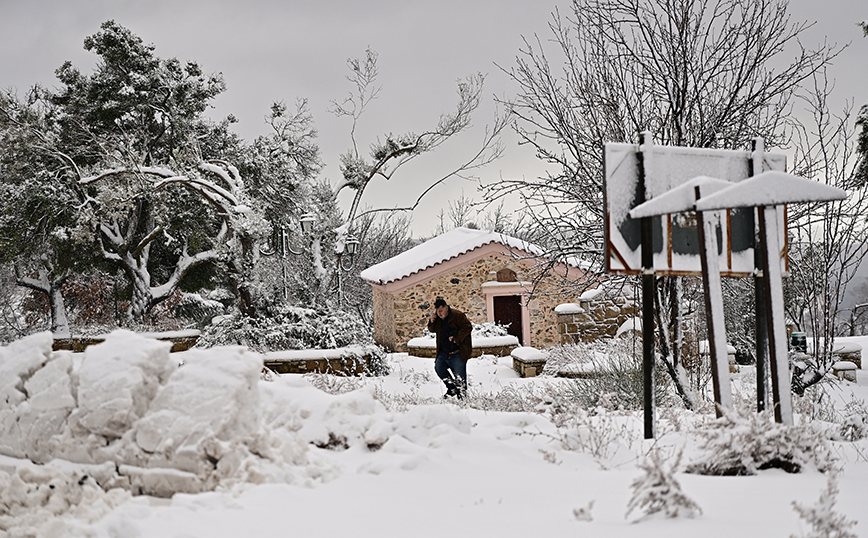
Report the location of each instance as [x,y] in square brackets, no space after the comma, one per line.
[127,414]
[164,427]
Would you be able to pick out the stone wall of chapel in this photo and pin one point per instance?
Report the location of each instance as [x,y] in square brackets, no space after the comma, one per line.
[384,319]
[462,288]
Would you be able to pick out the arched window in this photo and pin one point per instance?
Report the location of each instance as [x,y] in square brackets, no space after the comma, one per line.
[506,275]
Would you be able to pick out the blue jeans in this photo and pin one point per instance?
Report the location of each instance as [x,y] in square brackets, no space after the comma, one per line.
[456,380]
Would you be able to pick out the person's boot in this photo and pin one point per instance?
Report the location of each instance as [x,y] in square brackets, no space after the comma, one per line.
[451,390]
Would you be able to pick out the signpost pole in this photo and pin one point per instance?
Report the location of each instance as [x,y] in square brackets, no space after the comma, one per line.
[714,309]
[760,322]
[780,367]
[648,291]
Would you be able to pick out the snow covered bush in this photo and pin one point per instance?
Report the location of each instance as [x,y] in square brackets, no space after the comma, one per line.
[597,431]
[480,330]
[334,384]
[854,421]
[489,329]
[657,490]
[824,521]
[609,373]
[198,309]
[743,445]
[289,327]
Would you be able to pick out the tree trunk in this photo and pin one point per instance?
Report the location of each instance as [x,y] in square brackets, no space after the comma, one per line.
[670,358]
[59,321]
[52,287]
[142,299]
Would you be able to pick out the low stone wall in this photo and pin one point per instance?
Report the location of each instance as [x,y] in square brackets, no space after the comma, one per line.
[79,344]
[431,352]
[849,354]
[528,361]
[346,366]
[592,320]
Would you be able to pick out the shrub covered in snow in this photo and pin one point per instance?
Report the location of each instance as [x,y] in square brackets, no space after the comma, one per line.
[657,490]
[854,421]
[201,310]
[597,432]
[743,445]
[488,329]
[610,374]
[288,328]
[824,521]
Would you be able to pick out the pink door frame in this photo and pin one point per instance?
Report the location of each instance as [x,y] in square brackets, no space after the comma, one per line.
[500,289]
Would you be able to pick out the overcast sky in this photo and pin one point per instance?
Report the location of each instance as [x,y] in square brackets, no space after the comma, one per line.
[272,50]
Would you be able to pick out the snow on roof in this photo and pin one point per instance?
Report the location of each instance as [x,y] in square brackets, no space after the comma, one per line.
[438,250]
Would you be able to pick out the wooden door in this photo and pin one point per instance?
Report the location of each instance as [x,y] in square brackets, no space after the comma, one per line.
[507,311]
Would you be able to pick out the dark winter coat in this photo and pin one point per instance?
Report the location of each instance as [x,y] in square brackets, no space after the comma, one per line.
[460,327]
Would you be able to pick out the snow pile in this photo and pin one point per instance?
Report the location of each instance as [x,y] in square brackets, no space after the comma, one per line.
[34,499]
[306,416]
[165,428]
[129,416]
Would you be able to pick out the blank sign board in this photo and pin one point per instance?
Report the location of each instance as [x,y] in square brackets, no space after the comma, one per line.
[675,239]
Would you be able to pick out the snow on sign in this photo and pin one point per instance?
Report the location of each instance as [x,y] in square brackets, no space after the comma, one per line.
[675,239]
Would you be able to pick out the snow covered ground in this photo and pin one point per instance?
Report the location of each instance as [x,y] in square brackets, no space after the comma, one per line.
[324,456]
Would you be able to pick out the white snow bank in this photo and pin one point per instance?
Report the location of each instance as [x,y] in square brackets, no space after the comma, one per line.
[128,415]
[35,497]
[117,381]
[164,428]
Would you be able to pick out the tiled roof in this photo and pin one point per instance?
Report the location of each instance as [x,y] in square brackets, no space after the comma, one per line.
[438,250]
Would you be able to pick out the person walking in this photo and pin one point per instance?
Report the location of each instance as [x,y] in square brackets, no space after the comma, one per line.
[454,347]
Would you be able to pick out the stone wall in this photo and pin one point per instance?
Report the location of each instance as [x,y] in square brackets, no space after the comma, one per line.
[594,319]
[462,288]
[384,328]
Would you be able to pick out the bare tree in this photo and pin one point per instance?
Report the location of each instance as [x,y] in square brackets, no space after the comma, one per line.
[828,240]
[708,73]
[387,156]
[702,73]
